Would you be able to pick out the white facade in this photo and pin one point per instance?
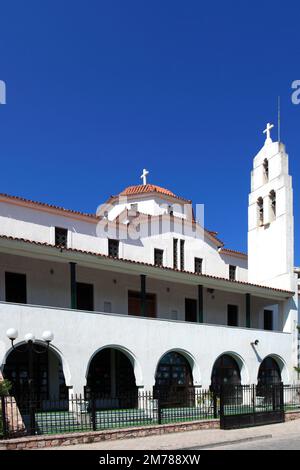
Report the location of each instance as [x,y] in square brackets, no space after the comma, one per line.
[145,219]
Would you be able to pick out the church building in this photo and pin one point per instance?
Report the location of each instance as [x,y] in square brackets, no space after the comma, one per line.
[140,296]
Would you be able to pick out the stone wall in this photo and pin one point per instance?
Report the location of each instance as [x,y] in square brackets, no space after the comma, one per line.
[37,442]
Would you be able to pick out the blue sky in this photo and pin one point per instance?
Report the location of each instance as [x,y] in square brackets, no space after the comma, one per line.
[98,90]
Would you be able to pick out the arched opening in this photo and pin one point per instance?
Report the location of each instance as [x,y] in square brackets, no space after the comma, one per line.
[174,380]
[272,197]
[269,372]
[260,211]
[268,379]
[48,381]
[226,374]
[111,379]
[266,169]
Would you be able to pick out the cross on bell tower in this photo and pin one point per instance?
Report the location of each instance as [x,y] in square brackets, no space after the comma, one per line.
[267,131]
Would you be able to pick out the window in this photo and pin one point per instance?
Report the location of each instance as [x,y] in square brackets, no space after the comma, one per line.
[198,265]
[268,320]
[266,169]
[113,248]
[232,272]
[182,255]
[61,236]
[260,211]
[158,257]
[272,196]
[85,296]
[174,379]
[191,310]
[175,253]
[134,207]
[15,288]
[135,307]
[232,315]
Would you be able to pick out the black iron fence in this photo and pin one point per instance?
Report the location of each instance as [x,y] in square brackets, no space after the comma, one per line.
[244,406]
[104,412]
[291,397]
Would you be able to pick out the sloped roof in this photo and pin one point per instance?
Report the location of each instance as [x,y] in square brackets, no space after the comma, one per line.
[227,251]
[30,202]
[149,188]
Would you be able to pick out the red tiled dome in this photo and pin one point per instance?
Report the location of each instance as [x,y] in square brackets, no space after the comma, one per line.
[145,188]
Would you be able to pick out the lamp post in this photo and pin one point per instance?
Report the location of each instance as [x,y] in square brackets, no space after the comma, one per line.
[29,338]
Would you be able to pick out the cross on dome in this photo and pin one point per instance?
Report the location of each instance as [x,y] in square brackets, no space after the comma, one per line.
[267,131]
[144,176]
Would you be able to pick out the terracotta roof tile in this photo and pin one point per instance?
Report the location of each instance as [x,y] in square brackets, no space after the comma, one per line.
[149,188]
[45,205]
[233,252]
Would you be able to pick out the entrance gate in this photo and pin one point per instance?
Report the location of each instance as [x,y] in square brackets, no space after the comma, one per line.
[243,405]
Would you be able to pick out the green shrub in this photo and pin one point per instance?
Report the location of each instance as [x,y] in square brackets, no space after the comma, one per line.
[5,387]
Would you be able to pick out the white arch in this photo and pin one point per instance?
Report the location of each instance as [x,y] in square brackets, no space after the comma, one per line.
[131,356]
[191,360]
[245,377]
[52,348]
[284,371]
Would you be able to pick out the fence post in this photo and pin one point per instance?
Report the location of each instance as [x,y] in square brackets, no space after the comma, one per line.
[158,409]
[273,397]
[3,413]
[31,418]
[281,397]
[215,404]
[221,406]
[93,411]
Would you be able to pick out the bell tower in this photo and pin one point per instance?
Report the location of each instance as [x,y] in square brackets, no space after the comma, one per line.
[270,218]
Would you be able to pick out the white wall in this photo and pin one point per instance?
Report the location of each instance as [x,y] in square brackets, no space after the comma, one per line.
[271,245]
[78,335]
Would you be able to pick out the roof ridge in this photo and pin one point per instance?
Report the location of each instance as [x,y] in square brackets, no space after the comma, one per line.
[224,249]
[50,206]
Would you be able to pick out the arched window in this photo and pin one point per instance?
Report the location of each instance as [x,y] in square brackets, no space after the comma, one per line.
[269,372]
[225,372]
[272,197]
[111,379]
[48,381]
[260,211]
[173,370]
[174,380]
[266,169]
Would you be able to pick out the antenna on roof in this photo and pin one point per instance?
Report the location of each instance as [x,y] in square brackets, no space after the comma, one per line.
[279,118]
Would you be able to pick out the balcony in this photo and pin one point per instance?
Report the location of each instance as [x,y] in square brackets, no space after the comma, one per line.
[78,335]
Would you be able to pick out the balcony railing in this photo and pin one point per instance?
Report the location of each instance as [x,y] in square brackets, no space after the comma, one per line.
[160,318]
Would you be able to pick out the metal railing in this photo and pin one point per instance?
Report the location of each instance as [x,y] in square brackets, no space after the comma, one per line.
[291,397]
[105,412]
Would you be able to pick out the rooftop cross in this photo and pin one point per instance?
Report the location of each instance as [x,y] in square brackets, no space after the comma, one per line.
[268,132]
[144,176]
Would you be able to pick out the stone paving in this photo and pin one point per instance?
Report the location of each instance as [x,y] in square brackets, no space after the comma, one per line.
[210,438]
